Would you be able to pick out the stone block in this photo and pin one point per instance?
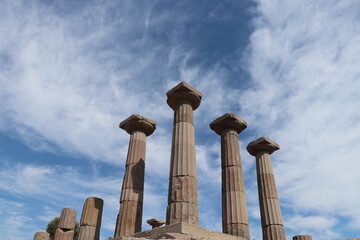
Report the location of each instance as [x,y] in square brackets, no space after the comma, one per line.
[267,187]
[42,236]
[137,148]
[62,235]
[67,219]
[134,176]
[237,229]
[137,122]
[263,144]
[234,207]
[183,91]
[263,164]
[182,212]
[155,223]
[184,189]
[270,212]
[302,237]
[184,229]
[131,195]
[92,212]
[89,233]
[184,113]
[129,218]
[232,179]
[274,232]
[230,149]
[228,121]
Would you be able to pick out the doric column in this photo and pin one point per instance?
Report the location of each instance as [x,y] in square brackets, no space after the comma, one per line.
[182,196]
[65,230]
[90,222]
[42,236]
[234,211]
[271,218]
[302,237]
[131,200]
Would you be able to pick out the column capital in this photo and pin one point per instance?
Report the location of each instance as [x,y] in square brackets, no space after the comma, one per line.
[137,122]
[228,121]
[263,144]
[183,91]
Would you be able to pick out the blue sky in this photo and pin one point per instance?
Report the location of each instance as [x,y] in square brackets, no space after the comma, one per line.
[70,71]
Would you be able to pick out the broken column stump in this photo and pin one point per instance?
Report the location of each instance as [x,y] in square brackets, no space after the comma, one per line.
[65,230]
[90,222]
[42,236]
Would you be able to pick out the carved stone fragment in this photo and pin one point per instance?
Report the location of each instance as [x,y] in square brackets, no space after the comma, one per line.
[42,236]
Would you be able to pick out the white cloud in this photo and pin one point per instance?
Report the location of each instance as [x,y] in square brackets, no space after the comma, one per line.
[68,78]
[304,62]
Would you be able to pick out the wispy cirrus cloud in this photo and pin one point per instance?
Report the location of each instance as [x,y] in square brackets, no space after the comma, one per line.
[304,60]
[70,72]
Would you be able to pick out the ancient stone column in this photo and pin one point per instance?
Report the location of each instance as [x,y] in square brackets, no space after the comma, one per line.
[131,200]
[65,230]
[90,222]
[234,211]
[42,236]
[271,218]
[182,195]
[302,237]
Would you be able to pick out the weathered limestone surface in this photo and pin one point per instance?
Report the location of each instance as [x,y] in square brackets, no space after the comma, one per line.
[234,211]
[350,239]
[302,237]
[92,212]
[91,219]
[42,236]
[62,235]
[89,233]
[182,196]
[155,223]
[67,219]
[180,231]
[131,200]
[271,218]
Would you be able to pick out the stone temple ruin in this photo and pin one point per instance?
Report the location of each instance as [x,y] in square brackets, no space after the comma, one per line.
[182,210]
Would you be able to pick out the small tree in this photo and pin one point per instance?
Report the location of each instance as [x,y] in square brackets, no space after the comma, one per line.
[53,225]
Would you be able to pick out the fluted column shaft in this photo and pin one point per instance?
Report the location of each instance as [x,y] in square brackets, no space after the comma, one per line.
[271,218]
[234,211]
[182,198]
[131,200]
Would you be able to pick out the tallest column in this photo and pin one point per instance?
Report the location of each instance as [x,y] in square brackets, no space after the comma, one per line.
[182,196]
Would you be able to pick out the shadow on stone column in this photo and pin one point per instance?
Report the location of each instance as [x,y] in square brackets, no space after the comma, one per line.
[90,222]
[129,218]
